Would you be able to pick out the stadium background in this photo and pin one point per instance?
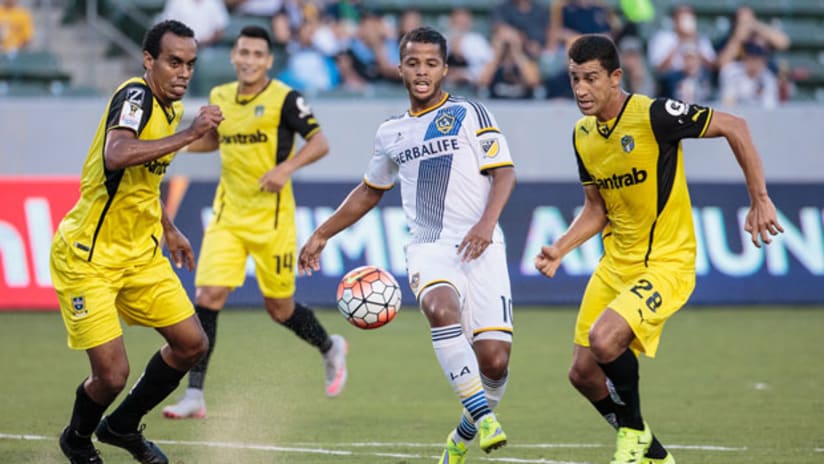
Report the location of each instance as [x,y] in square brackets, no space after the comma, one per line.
[51,95]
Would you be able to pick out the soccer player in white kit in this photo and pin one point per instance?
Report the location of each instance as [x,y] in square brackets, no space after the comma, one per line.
[456,175]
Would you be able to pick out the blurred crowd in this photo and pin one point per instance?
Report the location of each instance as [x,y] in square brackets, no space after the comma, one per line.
[516,51]
[16,27]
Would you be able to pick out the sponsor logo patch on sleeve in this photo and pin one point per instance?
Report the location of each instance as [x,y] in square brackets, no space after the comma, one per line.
[130,116]
[490,147]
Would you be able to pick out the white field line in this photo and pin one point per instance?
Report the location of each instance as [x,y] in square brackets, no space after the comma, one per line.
[515,445]
[321,448]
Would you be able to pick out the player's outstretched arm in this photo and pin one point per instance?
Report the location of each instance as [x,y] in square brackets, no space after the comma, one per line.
[762,218]
[206,144]
[314,149]
[480,235]
[178,245]
[591,220]
[359,202]
[124,149]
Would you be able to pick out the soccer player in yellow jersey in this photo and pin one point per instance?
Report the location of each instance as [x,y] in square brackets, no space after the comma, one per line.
[254,208]
[106,258]
[628,149]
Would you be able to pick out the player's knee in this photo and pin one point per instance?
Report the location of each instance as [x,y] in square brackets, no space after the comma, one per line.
[603,346]
[496,367]
[279,313]
[111,381]
[493,359]
[193,350]
[197,350]
[200,348]
[579,378]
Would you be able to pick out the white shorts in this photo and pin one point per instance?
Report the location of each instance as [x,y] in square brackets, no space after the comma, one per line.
[482,284]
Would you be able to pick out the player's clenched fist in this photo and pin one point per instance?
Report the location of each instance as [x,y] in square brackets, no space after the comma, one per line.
[208,118]
[548,260]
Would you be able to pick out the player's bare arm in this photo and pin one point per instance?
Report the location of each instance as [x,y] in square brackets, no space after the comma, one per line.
[591,220]
[360,201]
[762,219]
[480,235]
[178,245]
[206,144]
[124,149]
[314,149]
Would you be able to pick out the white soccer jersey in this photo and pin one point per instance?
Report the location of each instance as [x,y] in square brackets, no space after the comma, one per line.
[441,156]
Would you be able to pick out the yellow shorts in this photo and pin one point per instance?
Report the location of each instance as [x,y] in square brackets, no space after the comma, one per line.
[225,249]
[92,296]
[646,299]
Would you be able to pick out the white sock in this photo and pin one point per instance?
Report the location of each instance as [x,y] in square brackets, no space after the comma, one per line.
[459,364]
[465,431]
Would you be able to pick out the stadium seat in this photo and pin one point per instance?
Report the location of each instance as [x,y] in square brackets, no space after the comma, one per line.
[38,66]
[212,68]
[237,23]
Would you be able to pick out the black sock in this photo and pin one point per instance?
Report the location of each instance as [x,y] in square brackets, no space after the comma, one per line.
[607,408]
[623,373]
[157,382]
[304,324]
[85,417]
[208,319]
[608,411]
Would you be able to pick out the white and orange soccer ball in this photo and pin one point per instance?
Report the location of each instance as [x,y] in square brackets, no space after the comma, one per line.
[369,297]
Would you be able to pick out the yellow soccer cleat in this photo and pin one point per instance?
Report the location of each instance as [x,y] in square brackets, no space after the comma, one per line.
[454,453]
[491,434]
[631,445]
[665,460]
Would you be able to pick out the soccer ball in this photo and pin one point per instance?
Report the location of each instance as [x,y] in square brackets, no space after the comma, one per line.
[368,297]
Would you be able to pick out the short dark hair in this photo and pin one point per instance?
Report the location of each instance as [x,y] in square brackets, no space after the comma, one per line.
[255,32]
[599,47]
[151,41]
[424,34]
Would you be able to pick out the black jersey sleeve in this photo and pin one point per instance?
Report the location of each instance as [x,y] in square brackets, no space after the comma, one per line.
[298,116]
[583,174]
[130,108]
[673,120]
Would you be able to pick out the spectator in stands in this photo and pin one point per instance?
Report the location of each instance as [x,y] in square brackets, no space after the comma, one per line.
[367,58]
[511,74]
[469,51]
[567,20]
[747,28]
[207,18]
[16,27]
[526,16]
[290,15]
[749,81]
[637,76]
[570,18]
[666,49]
[308,69]
[281,32]
[345,15]
[409,20]
[693,83]
[262,8]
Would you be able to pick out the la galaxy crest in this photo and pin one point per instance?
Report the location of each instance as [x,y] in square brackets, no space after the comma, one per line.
[259,110]
[415,281]
[627,143]
[445,122]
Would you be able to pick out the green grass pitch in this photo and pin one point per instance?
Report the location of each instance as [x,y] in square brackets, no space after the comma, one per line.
[729,386]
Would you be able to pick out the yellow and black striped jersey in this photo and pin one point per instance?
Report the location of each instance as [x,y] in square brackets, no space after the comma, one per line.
[635,161]
[258,133]
[116,221]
